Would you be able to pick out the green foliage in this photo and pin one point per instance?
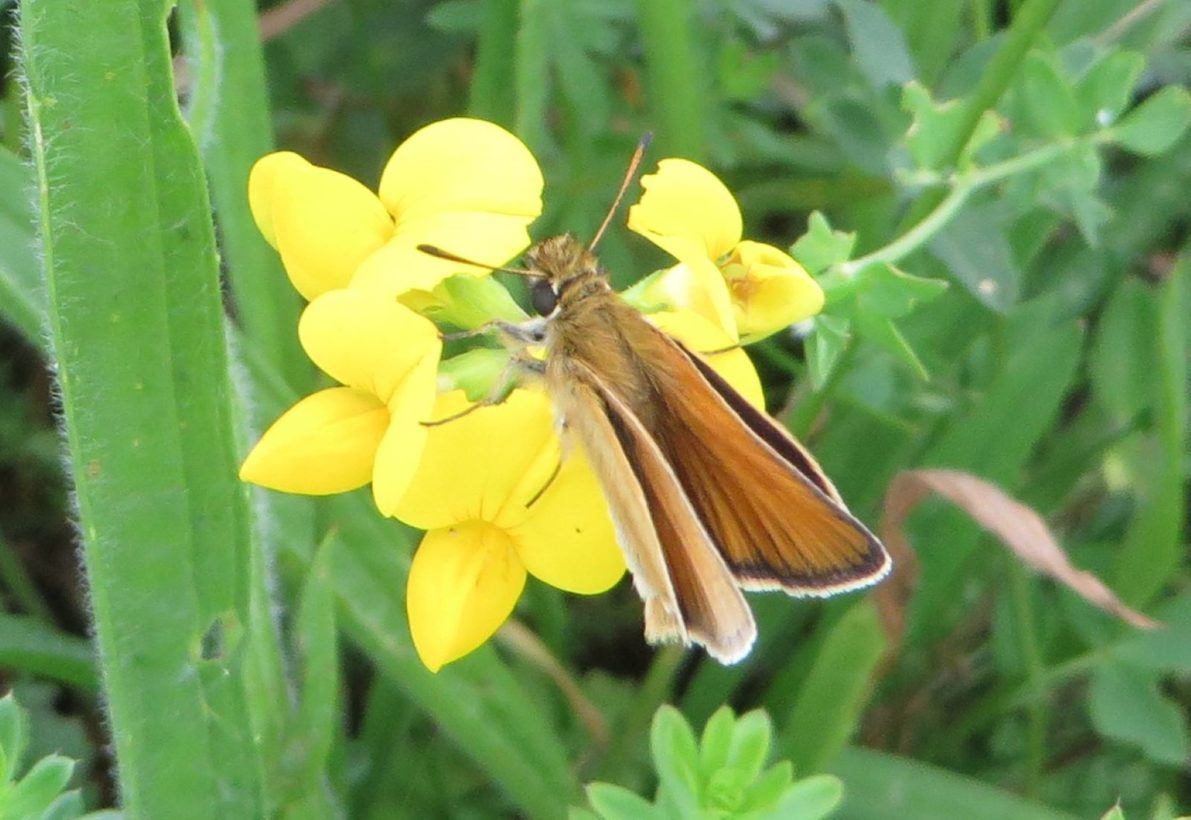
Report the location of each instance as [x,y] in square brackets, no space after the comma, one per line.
[720,775]
[38,791]
[994,199]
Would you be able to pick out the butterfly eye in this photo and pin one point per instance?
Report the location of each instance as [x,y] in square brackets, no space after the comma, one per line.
[544,299]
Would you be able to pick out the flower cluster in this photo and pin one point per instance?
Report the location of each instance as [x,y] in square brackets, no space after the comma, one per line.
[494,490]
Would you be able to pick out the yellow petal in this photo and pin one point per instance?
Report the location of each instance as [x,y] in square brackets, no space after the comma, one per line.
[463,584]
[324,444]
[698,287]
[461,165]
[326,224]
[568,540]
[687,212]
[484,465]
[401,449]
[488,238]
[718,349]
[770,291]
[261,183]
[365,342]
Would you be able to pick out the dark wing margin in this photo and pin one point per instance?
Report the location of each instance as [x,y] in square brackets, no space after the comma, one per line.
[776,519]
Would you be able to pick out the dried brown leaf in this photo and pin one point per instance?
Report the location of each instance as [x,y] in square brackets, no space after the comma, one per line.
[1017,526]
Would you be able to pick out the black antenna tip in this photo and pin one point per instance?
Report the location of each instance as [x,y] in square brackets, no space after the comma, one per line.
[646,140]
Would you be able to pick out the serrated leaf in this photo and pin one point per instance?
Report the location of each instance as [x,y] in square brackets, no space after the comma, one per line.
[821,246]
[1157,123]
[750,742]
[1126,705]
[878,45]
[1048,96]
[825,346]
[612,802]
[716,742]
[1106,87]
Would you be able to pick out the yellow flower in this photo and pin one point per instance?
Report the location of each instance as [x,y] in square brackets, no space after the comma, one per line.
[478,493]
[369,429]
[465,185]
[717,347]
[748,288]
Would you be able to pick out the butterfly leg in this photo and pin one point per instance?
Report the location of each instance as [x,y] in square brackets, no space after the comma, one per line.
[520,364]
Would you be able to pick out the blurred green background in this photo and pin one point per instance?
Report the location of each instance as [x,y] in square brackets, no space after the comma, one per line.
[250,653]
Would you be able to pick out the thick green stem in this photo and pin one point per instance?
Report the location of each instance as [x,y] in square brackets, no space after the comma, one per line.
[139,345]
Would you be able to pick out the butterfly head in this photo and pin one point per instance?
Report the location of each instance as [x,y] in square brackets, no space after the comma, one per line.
[559,262]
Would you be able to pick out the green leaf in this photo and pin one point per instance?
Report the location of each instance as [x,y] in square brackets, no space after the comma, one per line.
[1165,649]
[886,785]
[877,44]
[885,290]
[1106,87]
[69,806]
[825,346]
[750,742]
[811,798]
[937,126]
[836,689]
[313,731]
[1122,383]
[882,332]
[14,729]
[1125,704]
[1114,813]
[977,254]
[613,802]
[22,297]
[821,246]
[1156,124]
[1048,97]
[39,788]
[228,112]
[675,755]
[28,644]
[766,790]
[470,302]
[716,743]
[475,372]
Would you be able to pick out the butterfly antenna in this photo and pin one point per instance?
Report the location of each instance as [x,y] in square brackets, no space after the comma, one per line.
[634,164]
[434,250]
